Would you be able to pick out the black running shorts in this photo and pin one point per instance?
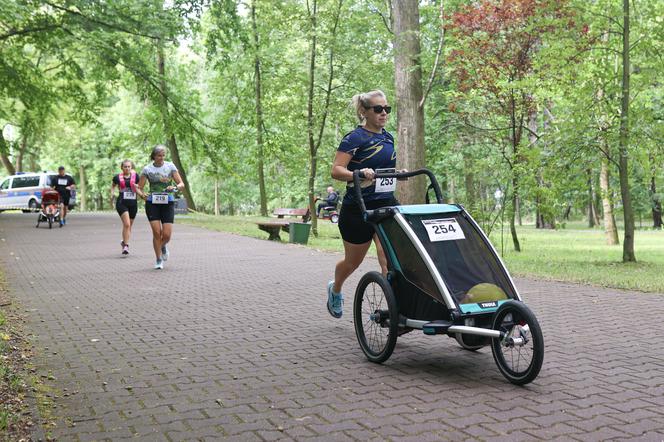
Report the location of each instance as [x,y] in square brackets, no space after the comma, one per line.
[160,212]
[64,197]
[121,207]
[351,225]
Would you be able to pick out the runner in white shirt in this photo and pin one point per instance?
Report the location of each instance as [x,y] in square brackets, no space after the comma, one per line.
[160,201]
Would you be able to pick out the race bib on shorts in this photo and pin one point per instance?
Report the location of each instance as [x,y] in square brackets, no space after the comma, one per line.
[159,198]
[385,184]
[62,181]
[128,195]
[446,229]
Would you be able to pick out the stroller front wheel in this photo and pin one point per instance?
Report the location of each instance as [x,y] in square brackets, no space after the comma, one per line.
[375,315]
[520,352]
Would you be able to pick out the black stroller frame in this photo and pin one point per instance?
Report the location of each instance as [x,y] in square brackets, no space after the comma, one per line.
[444,277]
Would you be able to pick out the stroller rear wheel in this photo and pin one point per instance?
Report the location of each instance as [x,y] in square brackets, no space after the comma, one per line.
[519,354]
[375,315]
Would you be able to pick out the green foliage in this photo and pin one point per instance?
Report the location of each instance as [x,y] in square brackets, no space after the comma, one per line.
[79,83]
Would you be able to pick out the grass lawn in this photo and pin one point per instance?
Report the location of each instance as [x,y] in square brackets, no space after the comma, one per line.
[581,255]
[574,254]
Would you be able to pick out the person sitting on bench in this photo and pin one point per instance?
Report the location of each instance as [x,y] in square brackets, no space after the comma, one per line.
[330,201]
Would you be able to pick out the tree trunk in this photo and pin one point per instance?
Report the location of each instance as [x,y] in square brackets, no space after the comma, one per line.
[469,181]
[515,238]
[408,80]
[259,112]
[654,196]
[597,201]
[216,196]
[313,18]
[168,130]
[541,220]
[606,194]
[515,139]
[656,205]
[21,153]
[4,155]
[82,189]
[315,140]
[610,230]
[591,199]
[33,162]
[628,242]
[451,190]
[532,138]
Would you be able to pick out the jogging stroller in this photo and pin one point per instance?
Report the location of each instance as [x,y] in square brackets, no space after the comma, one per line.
[444,277]
[50,208]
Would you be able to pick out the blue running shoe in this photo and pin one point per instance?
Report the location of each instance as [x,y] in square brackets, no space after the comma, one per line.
[164,253]
[334,301]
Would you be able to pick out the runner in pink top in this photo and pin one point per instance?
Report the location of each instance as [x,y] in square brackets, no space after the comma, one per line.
[125,204]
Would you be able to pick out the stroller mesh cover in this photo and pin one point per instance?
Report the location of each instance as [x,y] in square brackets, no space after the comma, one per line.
[466,263]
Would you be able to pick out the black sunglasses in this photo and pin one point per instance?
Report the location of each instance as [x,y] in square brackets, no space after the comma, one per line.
[379,109]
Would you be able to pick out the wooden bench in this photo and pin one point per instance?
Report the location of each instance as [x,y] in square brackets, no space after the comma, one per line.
[273,227]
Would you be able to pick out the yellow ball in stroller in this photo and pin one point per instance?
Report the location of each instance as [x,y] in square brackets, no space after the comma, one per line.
[485,292]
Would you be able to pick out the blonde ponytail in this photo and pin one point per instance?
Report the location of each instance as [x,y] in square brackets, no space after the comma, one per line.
[363,101]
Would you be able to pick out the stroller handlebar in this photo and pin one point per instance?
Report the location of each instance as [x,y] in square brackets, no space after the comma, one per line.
[370,214]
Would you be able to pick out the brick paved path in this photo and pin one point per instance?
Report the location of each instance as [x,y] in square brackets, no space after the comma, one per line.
[233,340]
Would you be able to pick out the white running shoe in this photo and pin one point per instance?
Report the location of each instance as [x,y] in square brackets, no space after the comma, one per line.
[159,264]
[164,253]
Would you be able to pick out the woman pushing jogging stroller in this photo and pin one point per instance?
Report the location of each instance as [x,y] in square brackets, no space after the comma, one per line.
[367,148]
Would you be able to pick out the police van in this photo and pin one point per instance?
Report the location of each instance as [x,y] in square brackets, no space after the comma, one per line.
[24,190]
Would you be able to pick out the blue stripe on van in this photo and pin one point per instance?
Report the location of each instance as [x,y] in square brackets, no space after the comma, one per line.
[20,193]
